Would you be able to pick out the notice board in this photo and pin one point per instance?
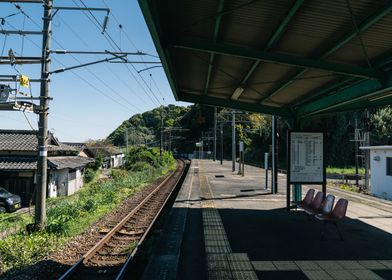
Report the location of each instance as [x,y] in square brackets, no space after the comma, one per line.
[306,157]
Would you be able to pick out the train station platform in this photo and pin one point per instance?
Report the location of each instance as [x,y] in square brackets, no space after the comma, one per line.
[225,226]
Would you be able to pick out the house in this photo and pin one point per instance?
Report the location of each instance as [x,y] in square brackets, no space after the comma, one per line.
[18,165]
[112,157]
[381,171]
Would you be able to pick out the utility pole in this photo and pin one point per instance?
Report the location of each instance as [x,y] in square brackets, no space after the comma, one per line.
[170,140]
[161,142]
[221,143]
[367,152]
[127,145]
[202,145]
[274,177]
[215,120]
[40,205]
[233,139]
[356,153]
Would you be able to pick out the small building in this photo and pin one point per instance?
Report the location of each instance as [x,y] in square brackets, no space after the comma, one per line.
[381,171]
[112,156]
[18,165]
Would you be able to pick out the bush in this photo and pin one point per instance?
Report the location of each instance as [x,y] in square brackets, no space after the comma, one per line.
[89,175]
[140,166]
[22,249]
[151,156]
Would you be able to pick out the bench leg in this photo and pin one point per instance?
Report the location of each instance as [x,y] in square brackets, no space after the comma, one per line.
[325,227]
[338,230]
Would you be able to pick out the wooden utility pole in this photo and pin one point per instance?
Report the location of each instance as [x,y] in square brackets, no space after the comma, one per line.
[42,165]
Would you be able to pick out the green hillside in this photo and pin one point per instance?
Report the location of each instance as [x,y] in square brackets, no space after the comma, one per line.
[254,129]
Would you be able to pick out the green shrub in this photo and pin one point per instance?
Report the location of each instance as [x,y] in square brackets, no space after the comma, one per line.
[140,166]
[23,249]
[89,175]
[151,156]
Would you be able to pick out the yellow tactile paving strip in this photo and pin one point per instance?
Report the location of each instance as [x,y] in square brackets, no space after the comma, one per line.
[221,262]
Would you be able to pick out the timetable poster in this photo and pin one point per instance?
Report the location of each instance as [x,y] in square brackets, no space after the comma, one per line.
[306,157]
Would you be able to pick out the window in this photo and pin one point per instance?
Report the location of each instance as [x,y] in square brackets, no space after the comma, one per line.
[72,174]
[389,166]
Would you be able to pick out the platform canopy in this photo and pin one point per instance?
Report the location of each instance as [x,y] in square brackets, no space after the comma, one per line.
[281,57]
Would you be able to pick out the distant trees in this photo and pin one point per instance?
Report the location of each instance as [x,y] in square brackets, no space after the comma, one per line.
[255,130]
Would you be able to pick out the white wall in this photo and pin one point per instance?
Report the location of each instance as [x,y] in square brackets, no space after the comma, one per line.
[116,160]
[64,185]
[381,184]
[61,179]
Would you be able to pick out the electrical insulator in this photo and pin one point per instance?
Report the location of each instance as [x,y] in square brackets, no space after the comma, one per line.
[105,24]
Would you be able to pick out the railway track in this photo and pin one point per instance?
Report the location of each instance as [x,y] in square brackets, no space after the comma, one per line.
[118,243]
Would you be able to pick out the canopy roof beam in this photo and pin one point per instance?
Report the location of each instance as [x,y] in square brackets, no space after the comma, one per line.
[235,104]
[382,62]
[362,27]
[274,39]
[216,32]
[198,44]
[368,89]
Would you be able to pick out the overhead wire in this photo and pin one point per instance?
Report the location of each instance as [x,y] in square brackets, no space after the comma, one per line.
[28,121]
[87,69]
[79,76]
[116,46]
[106,65]
[134,45]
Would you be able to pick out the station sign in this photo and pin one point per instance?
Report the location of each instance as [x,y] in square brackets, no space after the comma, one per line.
[306,157]
[241,146]
[198,144]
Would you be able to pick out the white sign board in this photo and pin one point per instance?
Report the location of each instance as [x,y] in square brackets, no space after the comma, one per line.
[241,146]
[306,157]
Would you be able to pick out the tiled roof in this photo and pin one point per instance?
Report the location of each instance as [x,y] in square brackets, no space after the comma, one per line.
[30,163]
[77,145]
[62,147]
[26,140]
[68,162]
[18,140]
[18,163]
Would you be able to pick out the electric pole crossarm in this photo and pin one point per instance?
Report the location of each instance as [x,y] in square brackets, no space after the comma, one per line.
[23,1]
[38,58]
[96,52]
[18,80]
[20,62]
[82,9]
[20,32]
[138,62]
[83,65]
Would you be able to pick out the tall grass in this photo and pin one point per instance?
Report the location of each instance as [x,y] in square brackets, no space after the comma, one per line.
[69,216]
[346,170]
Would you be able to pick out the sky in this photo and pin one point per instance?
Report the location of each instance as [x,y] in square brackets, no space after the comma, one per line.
[88,102]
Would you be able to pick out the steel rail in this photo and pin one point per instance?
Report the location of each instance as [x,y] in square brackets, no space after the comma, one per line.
[124,268]
[102,241]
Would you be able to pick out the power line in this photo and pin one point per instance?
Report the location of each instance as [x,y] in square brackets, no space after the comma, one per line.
[88,47]
[113,43]
[87,69]
[80,77]
[134,45]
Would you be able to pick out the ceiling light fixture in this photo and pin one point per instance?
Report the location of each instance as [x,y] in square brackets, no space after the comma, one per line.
[238,91]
